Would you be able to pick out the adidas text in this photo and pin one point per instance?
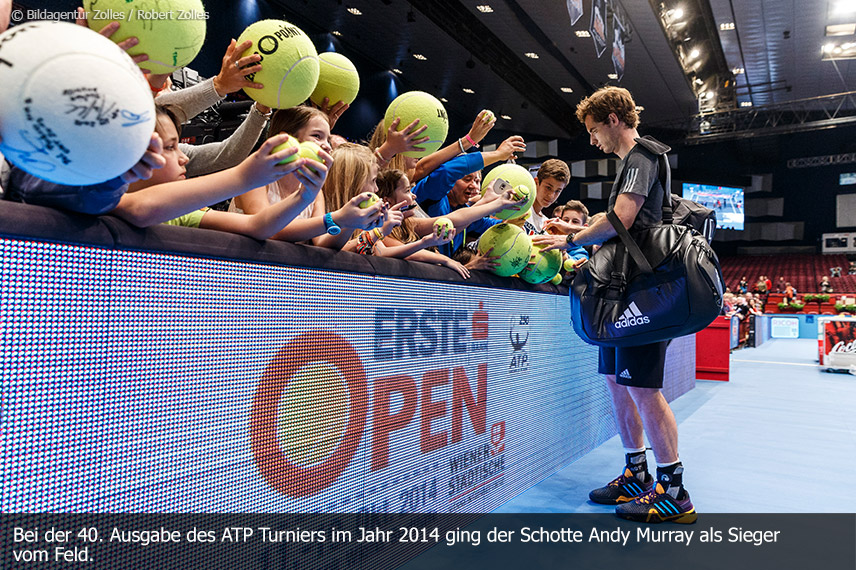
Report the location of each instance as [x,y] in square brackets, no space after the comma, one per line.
[631,322]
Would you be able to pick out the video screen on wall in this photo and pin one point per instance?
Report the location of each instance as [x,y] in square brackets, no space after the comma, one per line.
[728,203]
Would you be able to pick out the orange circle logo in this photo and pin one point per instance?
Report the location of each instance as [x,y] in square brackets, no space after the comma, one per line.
[309,413]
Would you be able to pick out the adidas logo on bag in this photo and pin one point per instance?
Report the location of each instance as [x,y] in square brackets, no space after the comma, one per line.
[626,374]
[632,317]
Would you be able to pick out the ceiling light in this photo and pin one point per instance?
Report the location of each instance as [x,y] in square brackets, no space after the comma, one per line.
[612,75]
[841,30]
[845,7]
[484,8]
[468,90]
[726,26]
[531,55]
[419,56]
[336,33]
[695,53]
[396,70]
[567,90]
[707,95]
[676,14]
[444,100]
[828,48]
[506,117]
[583,34]
[745,103]
[738,70]
[355,12]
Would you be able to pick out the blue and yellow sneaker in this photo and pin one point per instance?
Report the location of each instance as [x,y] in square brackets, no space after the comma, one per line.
[622,489]
[658,506]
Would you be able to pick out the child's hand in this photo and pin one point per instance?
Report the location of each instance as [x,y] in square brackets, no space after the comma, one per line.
[394,218]
[262,168]
[151,161]
[406,139]
[352,216]
[452,264]
[481,127]
[486,261]
[333,112]
[234,69]
[313,174]
[434,239]
[108,31]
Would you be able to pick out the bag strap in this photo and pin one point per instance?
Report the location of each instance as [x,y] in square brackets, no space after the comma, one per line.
[666,182]
[629,243]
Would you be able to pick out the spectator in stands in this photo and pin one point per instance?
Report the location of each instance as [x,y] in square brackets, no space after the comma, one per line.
[754,303]
[727,303]
[781,285]
[835,271]
[852,269]
[743,286]
[552,177]
[825,286]
[790,292]
[768,283]
[760,286]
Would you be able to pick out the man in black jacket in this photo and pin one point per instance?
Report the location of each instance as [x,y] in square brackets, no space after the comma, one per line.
[634,375]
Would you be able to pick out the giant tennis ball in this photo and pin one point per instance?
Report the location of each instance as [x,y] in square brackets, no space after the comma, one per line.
[429,110]
[289,63]
[338,79]
[171,32]
[545,266]
[516,176]
[75,108]
[510,244]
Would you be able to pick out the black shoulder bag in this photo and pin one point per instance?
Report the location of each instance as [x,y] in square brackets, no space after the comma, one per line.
[660,283]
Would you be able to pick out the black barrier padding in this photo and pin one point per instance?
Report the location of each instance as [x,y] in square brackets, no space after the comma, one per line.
[24,221]
[363,541]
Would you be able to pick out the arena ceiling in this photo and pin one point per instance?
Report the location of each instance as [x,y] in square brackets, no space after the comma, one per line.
[775,46]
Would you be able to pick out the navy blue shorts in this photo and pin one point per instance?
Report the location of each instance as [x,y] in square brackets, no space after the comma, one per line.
[637,366]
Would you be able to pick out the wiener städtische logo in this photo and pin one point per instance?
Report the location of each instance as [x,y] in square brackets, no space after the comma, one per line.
[300,454]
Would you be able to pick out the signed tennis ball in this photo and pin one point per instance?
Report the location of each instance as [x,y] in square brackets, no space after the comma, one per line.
[510,244]
[429,110]
[171,32]
[544,267]
[290,67]
[442,227]
[76,110]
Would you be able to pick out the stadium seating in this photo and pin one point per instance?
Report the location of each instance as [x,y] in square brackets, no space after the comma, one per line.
[802,270]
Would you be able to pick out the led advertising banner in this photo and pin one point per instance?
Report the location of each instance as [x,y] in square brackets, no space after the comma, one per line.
[147,382]
[839,343]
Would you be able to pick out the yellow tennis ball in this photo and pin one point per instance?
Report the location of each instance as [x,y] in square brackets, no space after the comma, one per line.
[289,63]
[429,110]
[75,108]
[338,79]
[310,150]
[516,176]
[287,144]
[557,280]
[370,201]
[442,227]
[569,264]
[171,32]
[545,266]
[510,244]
